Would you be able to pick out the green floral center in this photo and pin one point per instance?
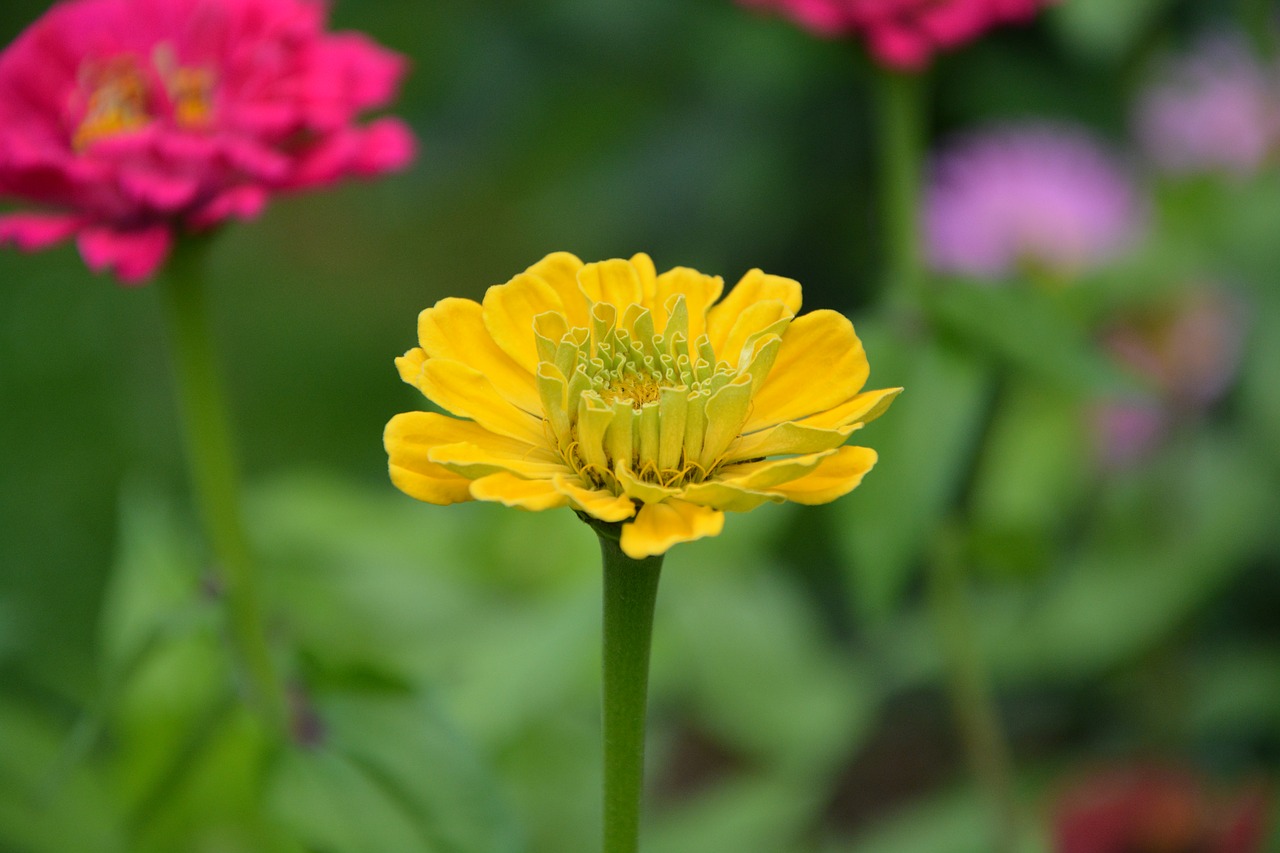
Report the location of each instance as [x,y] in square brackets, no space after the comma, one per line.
[642,412]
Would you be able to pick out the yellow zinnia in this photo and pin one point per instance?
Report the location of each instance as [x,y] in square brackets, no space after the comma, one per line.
[634,397]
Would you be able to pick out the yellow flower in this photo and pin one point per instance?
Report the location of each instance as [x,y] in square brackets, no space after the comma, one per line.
[634,397]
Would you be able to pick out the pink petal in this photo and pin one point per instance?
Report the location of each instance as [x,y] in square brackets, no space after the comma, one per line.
[31,232]
[900,48]
[161,192]
[388,146]
[245,202]
[133,256]
[255,159]
[329,160]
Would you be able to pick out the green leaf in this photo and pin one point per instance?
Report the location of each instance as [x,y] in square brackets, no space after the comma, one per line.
[1104,29]
[925,442]
[154,591]
[44,812]
[764,815]
[331,804]
[722,635]
[389,774]
[1033,477]
[1030,331]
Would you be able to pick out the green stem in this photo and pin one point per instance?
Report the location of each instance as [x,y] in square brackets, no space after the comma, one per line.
[630,591]
[901,103]
[1260,22]
[214,473]
[973,702]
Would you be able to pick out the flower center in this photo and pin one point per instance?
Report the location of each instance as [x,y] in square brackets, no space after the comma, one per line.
[639,412]
[118,96]
[116,103]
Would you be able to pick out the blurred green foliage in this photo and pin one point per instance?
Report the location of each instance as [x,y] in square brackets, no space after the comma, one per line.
[447,660]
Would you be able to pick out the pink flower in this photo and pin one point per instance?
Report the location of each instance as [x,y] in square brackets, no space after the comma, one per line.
[127,121]
[904,34]
[1158,809]
[1187,351]
[1041,196]
[1215,109]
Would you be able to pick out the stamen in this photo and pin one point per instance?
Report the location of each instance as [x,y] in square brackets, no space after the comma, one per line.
[119,98]
[117,102]
[645,398]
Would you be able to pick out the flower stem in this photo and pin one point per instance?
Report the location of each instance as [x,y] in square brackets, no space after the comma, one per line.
[901,104]
[976,714]
[214,473]
[630,591]
[1260,22]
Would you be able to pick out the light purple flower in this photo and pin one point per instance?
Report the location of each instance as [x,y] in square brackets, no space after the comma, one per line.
[1217,108]
[1043,197]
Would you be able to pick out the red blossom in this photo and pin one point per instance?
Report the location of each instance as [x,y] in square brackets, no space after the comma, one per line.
[1156,809]
[904,34]
[126,121]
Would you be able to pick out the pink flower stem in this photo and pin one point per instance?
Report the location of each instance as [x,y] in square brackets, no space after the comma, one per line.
[630,593]
[1260,23]
[972,699]
[214,474]
[903,115]
[901,104]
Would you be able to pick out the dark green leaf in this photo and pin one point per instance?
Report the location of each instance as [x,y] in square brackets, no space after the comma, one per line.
[925,442]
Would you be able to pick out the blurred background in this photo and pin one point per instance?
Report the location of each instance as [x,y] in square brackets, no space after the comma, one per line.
[1088,447]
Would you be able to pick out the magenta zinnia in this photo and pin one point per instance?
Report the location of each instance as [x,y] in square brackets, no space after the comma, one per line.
[635,398]
[125,121]
[904,34]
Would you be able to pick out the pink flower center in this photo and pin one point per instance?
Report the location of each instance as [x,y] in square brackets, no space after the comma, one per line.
[120,96]
[117,101]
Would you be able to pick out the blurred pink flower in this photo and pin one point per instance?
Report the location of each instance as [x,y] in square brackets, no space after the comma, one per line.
[1188,352]
[1125,431]
[1189,349]
[1039,196]
[904,34]
[128,120]
[1156,808]
[1217,108]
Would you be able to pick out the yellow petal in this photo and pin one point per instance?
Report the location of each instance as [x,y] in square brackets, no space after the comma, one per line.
[407,439]
[560,271]
[509,310]
[726,411]
[455,329]
[788,439]
[410,366]
[821,365]
[640,490]
[428,483]
[756,318]
[837,475]
[754,287]
[727,496]
[511,490]
[861,409]
[699,291]
[475,460]
[659,526]
[768,473]
[466,392]
[648,277]
[615,282]
[596,503]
